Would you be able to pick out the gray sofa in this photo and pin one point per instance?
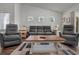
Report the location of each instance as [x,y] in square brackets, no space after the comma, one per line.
[40,30]
[12,36]
[70,36]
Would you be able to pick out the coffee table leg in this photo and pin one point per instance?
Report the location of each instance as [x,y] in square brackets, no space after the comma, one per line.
[57,48]
[31,48]
[32,44]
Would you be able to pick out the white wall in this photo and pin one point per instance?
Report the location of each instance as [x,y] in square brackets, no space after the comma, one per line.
[36,12]
[17,14]
[8,8]
[75,8]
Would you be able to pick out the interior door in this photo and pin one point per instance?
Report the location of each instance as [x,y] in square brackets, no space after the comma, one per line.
[77,24]
[77,27]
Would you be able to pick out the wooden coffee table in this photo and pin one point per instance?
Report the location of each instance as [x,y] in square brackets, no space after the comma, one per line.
[33,39]
[44,38]
[60,49]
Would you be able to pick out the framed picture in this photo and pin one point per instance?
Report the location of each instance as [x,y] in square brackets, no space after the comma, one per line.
[52,19]
[66,20]
[40,19]
[69,19]
[30,18]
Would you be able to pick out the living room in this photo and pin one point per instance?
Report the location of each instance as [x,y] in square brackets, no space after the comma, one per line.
[39,28]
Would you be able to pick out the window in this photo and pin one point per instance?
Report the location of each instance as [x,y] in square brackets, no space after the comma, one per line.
[4,19]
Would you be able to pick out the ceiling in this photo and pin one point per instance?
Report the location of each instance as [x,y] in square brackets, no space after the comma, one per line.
[58,7]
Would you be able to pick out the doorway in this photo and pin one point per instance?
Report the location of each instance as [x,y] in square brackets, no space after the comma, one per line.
[77,27]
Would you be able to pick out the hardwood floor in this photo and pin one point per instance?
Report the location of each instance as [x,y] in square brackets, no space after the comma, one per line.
[76,49]
[9,50]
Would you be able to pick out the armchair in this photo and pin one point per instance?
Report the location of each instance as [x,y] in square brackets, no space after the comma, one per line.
[70,36]
[12,36]
[1,43]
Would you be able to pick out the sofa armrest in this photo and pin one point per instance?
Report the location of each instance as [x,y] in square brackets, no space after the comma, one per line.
[71,39]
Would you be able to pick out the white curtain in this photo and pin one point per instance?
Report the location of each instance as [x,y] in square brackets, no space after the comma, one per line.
[4,19]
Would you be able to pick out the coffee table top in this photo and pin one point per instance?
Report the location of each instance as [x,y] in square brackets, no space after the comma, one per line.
[38,38]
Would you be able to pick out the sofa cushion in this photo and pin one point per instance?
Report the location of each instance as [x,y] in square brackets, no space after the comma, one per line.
[70,37]
[11,28]
[33,29]
[11,43]
[40,30]
[68,29]
[11,38]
